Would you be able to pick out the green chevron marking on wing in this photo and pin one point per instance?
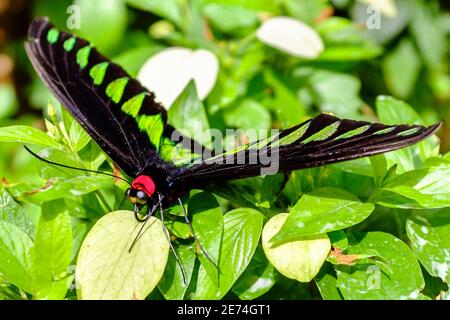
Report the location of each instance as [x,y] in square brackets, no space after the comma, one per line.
[83,56]
[293,136]
[228,153]
[323,134]
[264,142]
[175,153]
[69,44]
[115,89]
[408,132]
[384,131]
[153,126]
[134,104]
[53,35]
[353,133]
[98,72]
[236,150]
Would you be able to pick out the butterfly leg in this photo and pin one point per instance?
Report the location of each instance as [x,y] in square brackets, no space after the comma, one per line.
[144,222]
[137,214]
[166,233]
[188,222]
[286,177]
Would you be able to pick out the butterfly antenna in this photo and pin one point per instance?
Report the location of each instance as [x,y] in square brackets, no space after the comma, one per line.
[70,167]
[166,233]
[188,222]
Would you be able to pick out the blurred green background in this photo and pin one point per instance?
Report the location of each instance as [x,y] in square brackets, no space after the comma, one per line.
[257,86]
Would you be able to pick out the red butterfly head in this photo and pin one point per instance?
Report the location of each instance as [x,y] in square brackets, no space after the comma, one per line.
[142,189]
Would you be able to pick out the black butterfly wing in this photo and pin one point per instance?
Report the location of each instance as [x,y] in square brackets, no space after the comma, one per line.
[316,142]
[117,112]
[127,123]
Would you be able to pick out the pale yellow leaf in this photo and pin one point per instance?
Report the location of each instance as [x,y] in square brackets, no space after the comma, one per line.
[300,260]
[107,270]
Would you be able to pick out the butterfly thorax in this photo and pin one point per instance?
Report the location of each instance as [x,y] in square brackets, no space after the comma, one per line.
[147,185]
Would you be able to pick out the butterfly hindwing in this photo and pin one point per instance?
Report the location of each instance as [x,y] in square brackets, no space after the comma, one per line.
[320,141]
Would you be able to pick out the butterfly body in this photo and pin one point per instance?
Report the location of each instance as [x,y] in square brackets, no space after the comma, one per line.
[125,120]
[145,183]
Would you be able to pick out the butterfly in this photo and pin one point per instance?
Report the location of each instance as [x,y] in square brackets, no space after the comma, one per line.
[131,127]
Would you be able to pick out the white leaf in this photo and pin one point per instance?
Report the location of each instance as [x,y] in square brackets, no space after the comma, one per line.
[291,36]
[168,72]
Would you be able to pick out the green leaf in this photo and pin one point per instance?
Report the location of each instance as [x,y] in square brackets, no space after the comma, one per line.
[369,281]
[350,53]
[9,100]
[231,19]
[207,222]
[188,115]
[93,157]
[78,137]
[427,188]
[401,69]
[258,5]
[12,212]
[359,166]
[172,285]
[242,230]
[66,117]
[239,193]
[287,106]
[48,171]
[15,256]
[132,60]
[103,22]
[393,111]
[427,32]
[429,233]
[258,278]
[168,9]
[80,228]
[338,239]
[326,281]
[308,11]
[301,259]
[26,134]
[248,115]
[322,211]
[61,188]
[107,270]
[307,180]
[178,227]
[52,251]
[337,93]
[379,167]
[271,187]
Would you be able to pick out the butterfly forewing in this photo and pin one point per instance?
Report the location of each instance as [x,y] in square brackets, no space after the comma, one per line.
[119,114]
